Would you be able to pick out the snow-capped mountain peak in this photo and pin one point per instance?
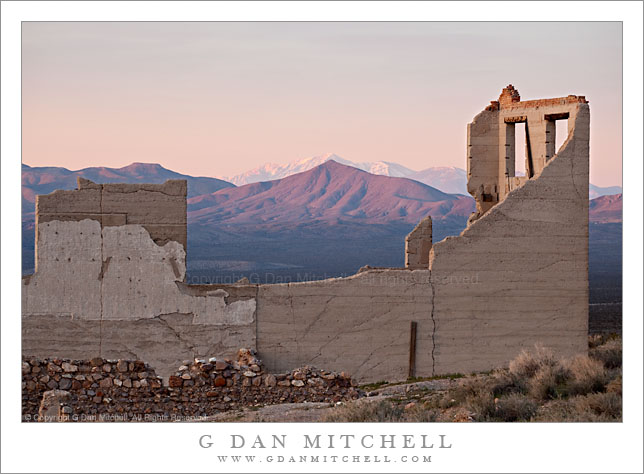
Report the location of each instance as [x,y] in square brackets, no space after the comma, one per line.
[271,171]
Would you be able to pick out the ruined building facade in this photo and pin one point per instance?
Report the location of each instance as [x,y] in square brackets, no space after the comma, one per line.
[111,265]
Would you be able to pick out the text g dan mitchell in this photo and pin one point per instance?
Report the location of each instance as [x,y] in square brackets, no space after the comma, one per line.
[346,441]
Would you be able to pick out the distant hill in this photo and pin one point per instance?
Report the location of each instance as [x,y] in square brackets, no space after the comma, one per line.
[324,222]
[597,191]
[44,180]
[606,209]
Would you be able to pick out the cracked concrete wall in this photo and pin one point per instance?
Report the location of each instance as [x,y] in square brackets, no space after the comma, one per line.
[116,290]
[519,274]
[359,324]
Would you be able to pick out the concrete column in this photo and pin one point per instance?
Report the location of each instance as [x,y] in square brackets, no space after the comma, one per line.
[418,245]
[551,139]
[506,157]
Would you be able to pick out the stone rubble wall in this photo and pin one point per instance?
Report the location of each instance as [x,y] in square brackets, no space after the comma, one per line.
[129,390]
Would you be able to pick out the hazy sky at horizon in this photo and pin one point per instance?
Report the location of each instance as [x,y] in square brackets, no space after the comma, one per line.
[217,99]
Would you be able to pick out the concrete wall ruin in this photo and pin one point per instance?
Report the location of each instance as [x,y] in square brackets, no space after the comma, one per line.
[110,273]
[110,266]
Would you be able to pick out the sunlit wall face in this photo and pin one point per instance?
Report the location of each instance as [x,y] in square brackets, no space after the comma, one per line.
[220,98]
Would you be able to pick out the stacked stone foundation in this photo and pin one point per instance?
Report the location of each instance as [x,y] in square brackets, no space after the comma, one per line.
[129,390]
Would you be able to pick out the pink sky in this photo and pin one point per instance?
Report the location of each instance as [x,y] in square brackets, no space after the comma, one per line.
[218,99]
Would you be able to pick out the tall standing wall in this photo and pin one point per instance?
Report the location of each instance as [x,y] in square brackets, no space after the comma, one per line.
[519,274]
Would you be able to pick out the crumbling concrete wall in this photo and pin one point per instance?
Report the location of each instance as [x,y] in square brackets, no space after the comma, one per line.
[109,280]
[110,273]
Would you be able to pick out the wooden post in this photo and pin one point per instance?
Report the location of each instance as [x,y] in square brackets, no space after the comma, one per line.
[412,350]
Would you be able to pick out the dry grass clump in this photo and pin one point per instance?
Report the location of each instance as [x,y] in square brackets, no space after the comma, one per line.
[527,363]
[595,407]
[582,388]
[383,411]
[515,407]
[537,386]
[549,382]
[609,353]
[423,413]
[586,376]
[615,386]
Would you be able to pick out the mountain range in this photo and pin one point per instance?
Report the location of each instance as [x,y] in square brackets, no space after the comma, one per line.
[448,179]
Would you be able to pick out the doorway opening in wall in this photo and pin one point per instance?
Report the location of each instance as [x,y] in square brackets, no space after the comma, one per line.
[561,133]
[519,149]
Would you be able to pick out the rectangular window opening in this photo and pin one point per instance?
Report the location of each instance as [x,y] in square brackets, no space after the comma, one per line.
[519,149]
[561,133]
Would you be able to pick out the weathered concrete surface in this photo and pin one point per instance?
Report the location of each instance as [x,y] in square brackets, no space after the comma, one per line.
[113,291]
[418,243]
[159,208]
[519,274]
[359,324]
[164,341]
[118,272]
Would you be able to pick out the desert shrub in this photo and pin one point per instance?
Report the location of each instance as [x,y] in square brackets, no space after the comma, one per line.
[605,406]
[615,386]
[609,353]
[501,383]
[515,407]
[481,406]
[366,411]
[595,407]
[466,389]
[422,413]
[601,339]
[586,376]
[595,340]
[556,411]
[527,364]
[549,382]
[475,394]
